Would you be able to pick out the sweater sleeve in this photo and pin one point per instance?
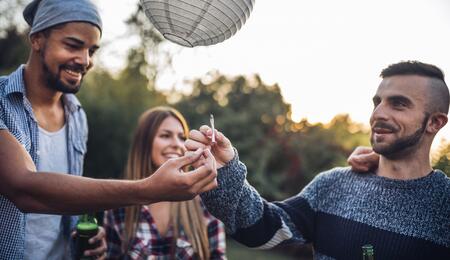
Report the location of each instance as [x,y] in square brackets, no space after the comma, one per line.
[250,219]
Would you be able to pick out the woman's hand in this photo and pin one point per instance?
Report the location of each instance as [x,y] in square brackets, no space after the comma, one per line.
[222,149]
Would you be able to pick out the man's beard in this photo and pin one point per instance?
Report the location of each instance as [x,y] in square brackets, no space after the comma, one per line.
[53,80]
[403,145]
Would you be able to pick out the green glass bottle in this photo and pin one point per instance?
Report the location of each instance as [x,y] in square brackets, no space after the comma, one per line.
[368,252]
[87,227]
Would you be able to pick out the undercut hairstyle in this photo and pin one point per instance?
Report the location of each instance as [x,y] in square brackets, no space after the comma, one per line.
[439,97]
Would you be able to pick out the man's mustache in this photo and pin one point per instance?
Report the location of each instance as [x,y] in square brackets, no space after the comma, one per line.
[384,125]
[75,67]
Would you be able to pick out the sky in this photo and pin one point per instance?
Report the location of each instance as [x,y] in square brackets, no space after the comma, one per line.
[326,55]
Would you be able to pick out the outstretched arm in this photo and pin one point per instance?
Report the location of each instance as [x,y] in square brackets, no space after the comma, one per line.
[248,218]
[44,192]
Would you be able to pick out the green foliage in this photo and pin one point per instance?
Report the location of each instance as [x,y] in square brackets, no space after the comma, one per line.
[281,155]
[148,56]
[14,50]
[113,104]
[11,18]
[239,106]
[14,47]
[112,107]
[442,158]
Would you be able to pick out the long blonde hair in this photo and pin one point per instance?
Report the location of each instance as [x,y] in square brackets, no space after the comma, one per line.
[185,216]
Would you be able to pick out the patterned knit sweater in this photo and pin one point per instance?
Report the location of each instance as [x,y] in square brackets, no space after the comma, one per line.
[338,212]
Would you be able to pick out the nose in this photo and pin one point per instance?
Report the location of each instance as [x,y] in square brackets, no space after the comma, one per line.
[177,142]
[379,113]
[83,58]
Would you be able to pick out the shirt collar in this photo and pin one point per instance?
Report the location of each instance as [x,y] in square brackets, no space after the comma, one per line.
[71,102]
[16,84]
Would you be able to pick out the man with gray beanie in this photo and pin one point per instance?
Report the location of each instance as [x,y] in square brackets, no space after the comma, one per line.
[43,135]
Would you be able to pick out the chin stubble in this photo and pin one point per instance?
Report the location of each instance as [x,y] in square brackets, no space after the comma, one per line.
[53,81]
[402,145]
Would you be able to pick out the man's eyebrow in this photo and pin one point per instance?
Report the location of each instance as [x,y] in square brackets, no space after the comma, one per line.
[400,98]
[73,39]
[80,42]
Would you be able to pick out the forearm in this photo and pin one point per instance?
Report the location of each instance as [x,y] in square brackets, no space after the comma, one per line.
[65,194]
[248,218]
[41,192]
[234,202]
[62,193]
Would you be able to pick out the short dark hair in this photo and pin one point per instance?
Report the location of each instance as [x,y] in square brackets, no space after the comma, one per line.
[439,98]
[413,68]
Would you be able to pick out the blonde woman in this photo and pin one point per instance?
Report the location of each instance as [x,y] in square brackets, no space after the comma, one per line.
[163,230]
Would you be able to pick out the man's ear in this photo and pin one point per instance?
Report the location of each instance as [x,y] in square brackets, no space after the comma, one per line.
[37,41]
[436,122]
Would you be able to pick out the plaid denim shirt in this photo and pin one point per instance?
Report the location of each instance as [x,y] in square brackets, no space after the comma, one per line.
[149,244]
[16,116]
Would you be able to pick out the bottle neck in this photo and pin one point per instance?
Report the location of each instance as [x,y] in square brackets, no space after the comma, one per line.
[87,222]
[368,252]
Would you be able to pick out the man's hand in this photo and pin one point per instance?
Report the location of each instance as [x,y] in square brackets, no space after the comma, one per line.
[100,239]
[222,150]
[363,159]
[171,183]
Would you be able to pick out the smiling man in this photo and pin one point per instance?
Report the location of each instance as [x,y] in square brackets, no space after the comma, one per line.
[402,208]
[43,135]
[62,46]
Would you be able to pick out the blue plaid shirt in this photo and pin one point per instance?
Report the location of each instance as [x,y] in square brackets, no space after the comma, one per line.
[16,116]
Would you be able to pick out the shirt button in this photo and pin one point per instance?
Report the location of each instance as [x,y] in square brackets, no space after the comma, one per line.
[38,152]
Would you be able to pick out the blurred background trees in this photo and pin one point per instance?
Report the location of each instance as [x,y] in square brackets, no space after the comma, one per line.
[441,159]
[14,48]
[282,155]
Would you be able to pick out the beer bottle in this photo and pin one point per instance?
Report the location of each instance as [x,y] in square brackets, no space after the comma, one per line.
[87,228]
[368,252]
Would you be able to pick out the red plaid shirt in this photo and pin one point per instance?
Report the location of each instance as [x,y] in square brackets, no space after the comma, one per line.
[149,244]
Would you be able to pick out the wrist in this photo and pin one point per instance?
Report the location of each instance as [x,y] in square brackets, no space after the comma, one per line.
[144,191]
[232,155]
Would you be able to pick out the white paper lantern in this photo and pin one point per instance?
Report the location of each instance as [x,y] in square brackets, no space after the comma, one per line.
[197,22]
